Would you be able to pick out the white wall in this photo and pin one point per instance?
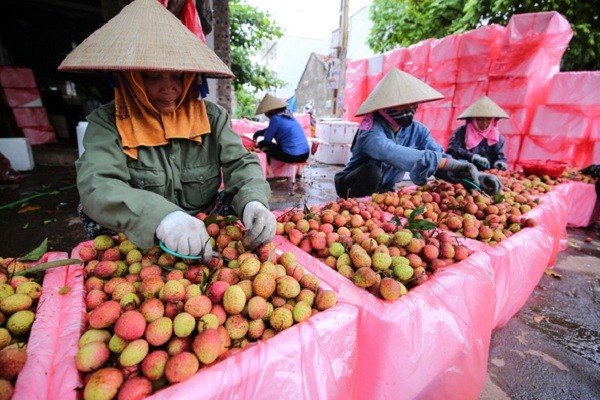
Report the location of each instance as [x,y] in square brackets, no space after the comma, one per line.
[359,25]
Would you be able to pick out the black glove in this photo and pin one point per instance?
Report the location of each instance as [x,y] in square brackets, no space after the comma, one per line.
[489,183]
[593,170]
[257,134]
[480,161]
[462,170]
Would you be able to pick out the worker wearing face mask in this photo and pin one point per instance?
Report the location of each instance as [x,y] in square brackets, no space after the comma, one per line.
[389,143]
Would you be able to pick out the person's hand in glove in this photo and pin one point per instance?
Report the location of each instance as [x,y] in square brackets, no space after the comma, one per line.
[260,225]
[480,161]
[185,235]
[460,169]
[500,165]
[489,183]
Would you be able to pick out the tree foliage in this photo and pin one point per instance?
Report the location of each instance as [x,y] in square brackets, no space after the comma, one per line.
[250,29]
[400,23]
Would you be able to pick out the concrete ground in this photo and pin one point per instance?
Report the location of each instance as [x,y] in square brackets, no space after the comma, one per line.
[549,350]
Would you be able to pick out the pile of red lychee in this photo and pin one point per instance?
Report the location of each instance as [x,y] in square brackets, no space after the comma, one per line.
[154,320]
[384,258]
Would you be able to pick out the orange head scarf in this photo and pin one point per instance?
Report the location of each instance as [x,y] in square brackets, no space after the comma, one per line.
[140,124]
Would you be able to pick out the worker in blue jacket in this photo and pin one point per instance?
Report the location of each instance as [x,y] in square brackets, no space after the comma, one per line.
[389,143]
[479,140]
[284,138]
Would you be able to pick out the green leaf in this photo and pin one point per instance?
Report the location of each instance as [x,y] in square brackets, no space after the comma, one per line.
[48,265]
[230,219]
[421,225]
[498,198]
[36,253]
[396,220]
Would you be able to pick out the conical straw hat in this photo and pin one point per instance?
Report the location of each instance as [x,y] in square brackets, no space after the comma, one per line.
[269,103]
[145,36]
[484,108]
[398,88]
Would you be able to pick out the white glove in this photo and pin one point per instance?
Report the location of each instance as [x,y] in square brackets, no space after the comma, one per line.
[489,183]
[185,235]
[462,170]
[260,225]
[501,165]
[480,161]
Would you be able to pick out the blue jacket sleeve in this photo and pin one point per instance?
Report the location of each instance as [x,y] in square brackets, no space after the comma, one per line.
[456,146]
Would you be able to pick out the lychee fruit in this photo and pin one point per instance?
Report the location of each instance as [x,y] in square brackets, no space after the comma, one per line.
[103,384]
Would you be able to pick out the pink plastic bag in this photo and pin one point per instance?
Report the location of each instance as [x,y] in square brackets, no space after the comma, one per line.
[49,373]
[431,343]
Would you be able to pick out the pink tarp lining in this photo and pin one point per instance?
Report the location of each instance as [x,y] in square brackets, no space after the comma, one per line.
[431,343]
[518,67]
[400,343]
[54,336]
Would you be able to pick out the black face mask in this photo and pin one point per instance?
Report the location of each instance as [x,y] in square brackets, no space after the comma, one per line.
[402,118]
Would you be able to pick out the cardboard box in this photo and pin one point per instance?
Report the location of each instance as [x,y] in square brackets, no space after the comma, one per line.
[333,153]
[18,151]
[336,131]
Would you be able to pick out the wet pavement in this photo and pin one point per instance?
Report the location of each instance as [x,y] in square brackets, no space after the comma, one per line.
[549,350]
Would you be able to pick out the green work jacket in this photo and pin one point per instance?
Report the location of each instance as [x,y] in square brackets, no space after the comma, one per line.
[133,196]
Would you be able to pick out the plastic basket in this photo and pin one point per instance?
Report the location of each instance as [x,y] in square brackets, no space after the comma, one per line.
[540,167]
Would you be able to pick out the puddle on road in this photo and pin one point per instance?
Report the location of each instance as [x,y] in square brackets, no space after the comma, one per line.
[566,333]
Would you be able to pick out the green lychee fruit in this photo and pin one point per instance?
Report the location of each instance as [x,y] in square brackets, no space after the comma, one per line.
[134,353]
[103,242]
[6,290]
[234,299]
[31,289]
[91,356]
[402,237]
[19,324]
[381,261]
[184,324]
[103,384]
[208,321]
[302,311]
[336,249]
[5,338]
[15,302]
[281,318]
[287,287]
[117,344]
[403,272]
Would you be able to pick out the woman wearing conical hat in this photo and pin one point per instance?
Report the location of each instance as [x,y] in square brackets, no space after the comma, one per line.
[389,143]
[479,140]
[156,155]
[284,138]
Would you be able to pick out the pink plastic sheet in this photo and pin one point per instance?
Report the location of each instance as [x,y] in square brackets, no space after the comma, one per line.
[516,272]
[583,199]
[432,343]
[244,125]
[533,45]
[54,336]
[566,88]
[572,121]
[313,359]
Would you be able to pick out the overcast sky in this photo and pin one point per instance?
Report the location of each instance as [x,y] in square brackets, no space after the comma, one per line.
[307,18]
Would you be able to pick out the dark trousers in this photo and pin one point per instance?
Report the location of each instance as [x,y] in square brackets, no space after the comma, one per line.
[363,181]
[273,150]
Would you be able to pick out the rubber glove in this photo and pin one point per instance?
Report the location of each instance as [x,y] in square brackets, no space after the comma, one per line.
[501,165]
[489,183]
[480,161]
[185,234]
[260,225]
[461,170]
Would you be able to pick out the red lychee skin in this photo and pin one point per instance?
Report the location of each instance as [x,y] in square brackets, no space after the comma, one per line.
[135,388]
[12,361]
[216,290]
[430,252]
[87,253]
[181,366]
[207,345]
[198,306]
[105,315]
[105,382]
[153,366]
[131,325]
[460,253]
[152,309]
